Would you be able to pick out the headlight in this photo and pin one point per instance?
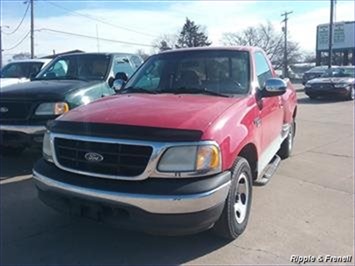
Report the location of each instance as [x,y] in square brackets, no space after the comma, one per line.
[341,85]
[200,158]
[47,148]
[308,85]
[52,108]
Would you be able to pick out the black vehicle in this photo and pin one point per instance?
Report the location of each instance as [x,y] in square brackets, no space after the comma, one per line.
[67,82]
[313,73]
[334,82]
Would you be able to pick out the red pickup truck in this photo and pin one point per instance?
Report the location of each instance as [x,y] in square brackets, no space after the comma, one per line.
[179,147]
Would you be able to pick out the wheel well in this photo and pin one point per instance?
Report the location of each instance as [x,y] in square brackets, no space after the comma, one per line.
[250,154]
[294,113]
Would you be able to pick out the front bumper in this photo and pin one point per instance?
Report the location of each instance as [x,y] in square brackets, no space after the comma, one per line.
[155,205]
[21,135]
[341,92]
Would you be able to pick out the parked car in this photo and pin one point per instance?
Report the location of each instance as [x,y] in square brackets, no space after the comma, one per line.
[314,73]
[177,151]
[66,83]
[334,82]
[21,71]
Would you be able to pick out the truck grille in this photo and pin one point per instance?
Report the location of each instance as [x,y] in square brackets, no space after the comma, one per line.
[15,110]
[322,86]
[111,158]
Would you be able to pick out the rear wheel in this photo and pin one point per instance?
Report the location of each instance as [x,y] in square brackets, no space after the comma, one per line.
[235,215]
[351,95]
[287,145]
[11,151]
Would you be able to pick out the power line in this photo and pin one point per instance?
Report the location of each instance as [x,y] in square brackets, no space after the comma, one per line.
[94,37]
[17,44]
[99,20]
[19,25]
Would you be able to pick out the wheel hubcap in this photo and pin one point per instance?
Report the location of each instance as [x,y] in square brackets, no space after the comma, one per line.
[241,198]
[352,93]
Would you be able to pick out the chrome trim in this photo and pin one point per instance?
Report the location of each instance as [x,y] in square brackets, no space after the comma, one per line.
[167,204]
[151,170]
[24,129]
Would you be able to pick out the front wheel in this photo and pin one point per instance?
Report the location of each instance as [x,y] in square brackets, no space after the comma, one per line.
[235,215]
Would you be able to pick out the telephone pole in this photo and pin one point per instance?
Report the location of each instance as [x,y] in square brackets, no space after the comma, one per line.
[285,14]
[0,47]
[32,30]
[1,50]
[330,49]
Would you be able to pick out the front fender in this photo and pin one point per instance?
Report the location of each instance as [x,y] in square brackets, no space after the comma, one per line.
[234,129]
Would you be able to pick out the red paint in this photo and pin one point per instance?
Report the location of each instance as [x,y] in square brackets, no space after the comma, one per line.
[228,121]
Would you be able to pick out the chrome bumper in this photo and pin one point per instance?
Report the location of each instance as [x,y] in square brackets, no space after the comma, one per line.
[159,204]
[31,130]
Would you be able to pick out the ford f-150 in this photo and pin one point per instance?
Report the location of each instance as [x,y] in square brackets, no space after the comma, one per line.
[178,150]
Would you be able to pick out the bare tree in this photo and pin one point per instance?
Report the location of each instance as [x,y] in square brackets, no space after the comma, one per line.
[266,37]
[165,42]
[142,54]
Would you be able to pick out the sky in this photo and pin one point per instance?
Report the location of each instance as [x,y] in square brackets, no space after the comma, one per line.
[140,23]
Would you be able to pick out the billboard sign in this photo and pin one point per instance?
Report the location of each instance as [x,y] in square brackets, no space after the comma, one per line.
[343,36]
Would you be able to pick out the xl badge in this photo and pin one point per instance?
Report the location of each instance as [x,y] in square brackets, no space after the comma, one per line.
[3,109]
[93,157]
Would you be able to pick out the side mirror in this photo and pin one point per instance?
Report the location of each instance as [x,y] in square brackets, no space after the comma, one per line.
[121,75]
[274,87]
[118,84]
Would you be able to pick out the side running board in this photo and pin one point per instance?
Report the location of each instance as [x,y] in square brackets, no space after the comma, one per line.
[269,171]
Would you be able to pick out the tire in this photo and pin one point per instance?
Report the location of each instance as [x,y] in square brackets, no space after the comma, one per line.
[11,151]
[235,215]
[287,145]
[351,95]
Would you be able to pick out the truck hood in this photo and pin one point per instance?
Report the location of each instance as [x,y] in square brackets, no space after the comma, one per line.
[44,89]
[332,80]
[163,110]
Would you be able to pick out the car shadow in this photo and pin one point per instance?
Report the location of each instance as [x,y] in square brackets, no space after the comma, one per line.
[42,237]
[323,100]
[11,166]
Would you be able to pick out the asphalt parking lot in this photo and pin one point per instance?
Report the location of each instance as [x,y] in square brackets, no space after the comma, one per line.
[306,209]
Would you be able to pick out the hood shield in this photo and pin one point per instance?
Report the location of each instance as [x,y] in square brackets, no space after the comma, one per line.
[123,131]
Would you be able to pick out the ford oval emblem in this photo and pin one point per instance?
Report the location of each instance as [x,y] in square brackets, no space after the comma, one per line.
[93,157]
[4,109]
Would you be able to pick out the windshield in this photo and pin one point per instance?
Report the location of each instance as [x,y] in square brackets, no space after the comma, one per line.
[21,69]
[339,72]
[209,72]
[318,69]
[83,67]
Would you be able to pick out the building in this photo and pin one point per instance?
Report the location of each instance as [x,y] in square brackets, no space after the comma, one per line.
[343,43]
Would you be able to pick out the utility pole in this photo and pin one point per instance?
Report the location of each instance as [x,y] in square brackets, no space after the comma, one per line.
[97,39]
[1,50]
[32,30]
[285,14]
[0,47]
[330,49]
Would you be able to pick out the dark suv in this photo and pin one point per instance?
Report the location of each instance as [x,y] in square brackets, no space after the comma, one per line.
[67,82]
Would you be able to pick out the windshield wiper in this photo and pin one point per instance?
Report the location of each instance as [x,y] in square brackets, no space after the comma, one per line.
[182,90]
[136,90]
